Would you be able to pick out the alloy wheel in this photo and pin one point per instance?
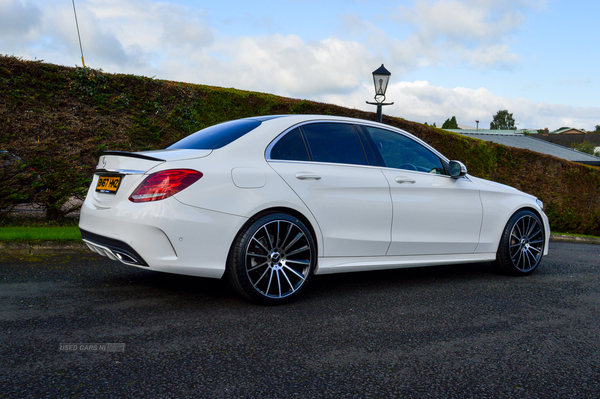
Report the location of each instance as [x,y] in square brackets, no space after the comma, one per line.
[278,258]
[526,243]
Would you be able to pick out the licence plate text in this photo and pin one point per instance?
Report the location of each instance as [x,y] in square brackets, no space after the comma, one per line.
[108,184]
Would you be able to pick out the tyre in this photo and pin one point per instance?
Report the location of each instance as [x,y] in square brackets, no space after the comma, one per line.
[272,259]
[522,244]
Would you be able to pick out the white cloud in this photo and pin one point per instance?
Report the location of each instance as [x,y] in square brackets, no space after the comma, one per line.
[153,25]
[176,42]
[473,31]
[291,66]
[117,35]
[18,18]
[99,44]
[457,20]
[498,55]
[20,22]
[421,102]
[144,36]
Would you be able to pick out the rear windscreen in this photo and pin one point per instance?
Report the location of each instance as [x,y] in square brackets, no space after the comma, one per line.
[218,136]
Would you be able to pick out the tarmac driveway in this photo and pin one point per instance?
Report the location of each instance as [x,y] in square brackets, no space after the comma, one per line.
[454,331]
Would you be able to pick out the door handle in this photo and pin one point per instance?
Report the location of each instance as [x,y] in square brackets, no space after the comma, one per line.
[307,176]
[401,180]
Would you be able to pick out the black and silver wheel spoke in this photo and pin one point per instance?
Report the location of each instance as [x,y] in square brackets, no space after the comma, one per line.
[270,280]
[261,277]
[297,251]
[261,244]
[300,276]
[298,236]
[299,262]
[288,280]
[259,255]
[258,266]
[268,236]
[287,234]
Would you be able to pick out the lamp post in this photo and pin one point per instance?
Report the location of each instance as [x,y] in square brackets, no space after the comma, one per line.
[381,78]
[477,125]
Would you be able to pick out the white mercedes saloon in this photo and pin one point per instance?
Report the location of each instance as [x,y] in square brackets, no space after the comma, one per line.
[267,202]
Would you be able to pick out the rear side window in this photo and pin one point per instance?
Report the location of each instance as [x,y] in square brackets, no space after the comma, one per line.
[335,143]
[291,147]
[217,136]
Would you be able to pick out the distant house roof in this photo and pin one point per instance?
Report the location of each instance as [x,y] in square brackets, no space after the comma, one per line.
[488,131]
[568,130]
[524,141]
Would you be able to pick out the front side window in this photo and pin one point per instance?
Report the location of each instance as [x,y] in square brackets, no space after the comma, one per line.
[401,152]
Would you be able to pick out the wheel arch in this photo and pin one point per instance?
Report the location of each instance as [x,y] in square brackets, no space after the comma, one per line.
[525,208]
[532,209]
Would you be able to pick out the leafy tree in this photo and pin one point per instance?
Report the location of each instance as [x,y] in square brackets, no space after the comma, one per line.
[450,124]
[597,129]
[503,121]
[453,123]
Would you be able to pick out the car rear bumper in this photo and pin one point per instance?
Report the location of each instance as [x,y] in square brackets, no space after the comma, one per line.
[163,236]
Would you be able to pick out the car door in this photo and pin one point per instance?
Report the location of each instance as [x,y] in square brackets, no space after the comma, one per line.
[433,214]
[327,166]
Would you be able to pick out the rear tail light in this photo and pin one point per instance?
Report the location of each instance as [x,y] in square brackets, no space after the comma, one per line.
[161,185]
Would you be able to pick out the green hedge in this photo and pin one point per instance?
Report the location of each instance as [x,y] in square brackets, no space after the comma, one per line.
[58,120]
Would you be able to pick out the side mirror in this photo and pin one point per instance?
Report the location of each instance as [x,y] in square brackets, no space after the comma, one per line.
[457,169]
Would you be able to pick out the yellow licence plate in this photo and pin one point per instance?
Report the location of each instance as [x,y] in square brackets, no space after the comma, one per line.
[108,184]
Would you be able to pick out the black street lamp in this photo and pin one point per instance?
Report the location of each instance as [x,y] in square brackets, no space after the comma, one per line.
[381,78]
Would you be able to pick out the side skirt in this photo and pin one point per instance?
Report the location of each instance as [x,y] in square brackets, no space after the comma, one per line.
[331,265]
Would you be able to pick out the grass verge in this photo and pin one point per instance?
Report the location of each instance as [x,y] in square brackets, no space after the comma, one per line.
[32,233]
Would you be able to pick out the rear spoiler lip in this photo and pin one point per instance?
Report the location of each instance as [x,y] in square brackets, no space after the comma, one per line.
[133,155]
[108,172]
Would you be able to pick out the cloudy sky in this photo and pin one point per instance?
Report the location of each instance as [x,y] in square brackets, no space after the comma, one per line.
[539,59]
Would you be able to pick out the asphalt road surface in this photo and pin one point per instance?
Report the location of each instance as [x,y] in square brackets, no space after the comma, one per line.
[79,325]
